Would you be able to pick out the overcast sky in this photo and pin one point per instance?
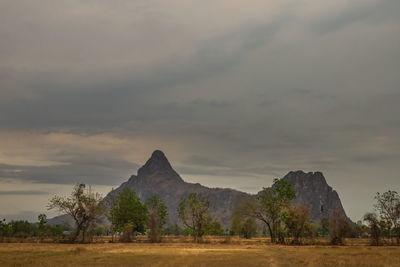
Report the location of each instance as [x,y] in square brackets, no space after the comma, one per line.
[234,92]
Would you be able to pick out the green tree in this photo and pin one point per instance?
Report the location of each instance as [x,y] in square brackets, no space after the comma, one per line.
[324,227]
[173,229]
[22,229]
[42,220]
[269,207]
[214,228]
[111,214]
[157,218]
[246,228]
[4,229]
[193,212]
[129,214]
[84,206]
[388,206]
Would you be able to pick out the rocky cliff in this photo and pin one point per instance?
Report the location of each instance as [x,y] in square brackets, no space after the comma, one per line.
[313,191]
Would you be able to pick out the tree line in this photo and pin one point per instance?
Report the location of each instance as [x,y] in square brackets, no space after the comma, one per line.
[271,210]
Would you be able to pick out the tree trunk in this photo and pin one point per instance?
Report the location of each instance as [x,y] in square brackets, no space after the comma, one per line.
[271,233]
[77,232]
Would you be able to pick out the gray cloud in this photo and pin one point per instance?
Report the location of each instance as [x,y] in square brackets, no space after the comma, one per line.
[90,171]
[369,13]
[24,192]
[89,90]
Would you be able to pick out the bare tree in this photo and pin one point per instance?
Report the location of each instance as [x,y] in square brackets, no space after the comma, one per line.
[298,223]
[388,206]
[158,216]
[375,226]
[338,227]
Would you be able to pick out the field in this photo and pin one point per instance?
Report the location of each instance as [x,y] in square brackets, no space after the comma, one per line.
[239,253]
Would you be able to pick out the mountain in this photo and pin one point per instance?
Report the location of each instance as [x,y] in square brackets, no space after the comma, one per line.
[157,177]
[313,191]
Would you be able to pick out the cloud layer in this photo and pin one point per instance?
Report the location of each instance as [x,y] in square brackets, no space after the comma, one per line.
[235,93]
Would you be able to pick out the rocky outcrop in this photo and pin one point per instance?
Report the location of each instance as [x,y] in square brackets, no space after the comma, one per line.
[313,192]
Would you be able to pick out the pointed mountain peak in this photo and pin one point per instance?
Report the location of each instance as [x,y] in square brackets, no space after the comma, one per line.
[157,162]
[309,177]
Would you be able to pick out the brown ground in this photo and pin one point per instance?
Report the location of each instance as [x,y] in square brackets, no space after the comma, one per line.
[237,253]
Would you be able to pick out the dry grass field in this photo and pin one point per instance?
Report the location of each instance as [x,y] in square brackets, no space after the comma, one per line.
[236,253]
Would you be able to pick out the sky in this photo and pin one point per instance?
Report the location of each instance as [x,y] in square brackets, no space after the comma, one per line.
[235,93]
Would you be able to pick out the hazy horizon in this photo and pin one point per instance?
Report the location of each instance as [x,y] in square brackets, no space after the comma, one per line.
[235,93]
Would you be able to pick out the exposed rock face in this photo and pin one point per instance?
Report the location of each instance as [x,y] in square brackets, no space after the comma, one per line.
[157,177]
[313,192]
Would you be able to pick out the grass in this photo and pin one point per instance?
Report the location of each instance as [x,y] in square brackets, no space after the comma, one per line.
[246,253]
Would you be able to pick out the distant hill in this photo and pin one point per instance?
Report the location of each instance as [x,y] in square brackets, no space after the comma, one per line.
[157,177]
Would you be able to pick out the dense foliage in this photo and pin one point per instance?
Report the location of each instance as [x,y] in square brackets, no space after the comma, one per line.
[127,214]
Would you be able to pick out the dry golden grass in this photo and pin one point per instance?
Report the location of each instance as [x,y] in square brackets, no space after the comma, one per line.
[212,253]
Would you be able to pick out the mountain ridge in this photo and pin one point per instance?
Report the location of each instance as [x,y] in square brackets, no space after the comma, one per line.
[157,177]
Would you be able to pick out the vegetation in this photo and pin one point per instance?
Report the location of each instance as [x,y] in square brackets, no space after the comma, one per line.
[193,212]
[214,228]
[246,228]
[375,225]
[127,214]
[173,229]
[339,227]
[388,206]
[269,207]
[298,223]
[157,218]
[24,229]
[323,229]
[282,221]
[84,206]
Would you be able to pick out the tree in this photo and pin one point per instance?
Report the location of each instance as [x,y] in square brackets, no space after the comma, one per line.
[22,229]
[84,206]
[338,227]
[128,214]
[214,228]
[157,218]
[244,227]
[298,223]
[173,229]
[193,212]
[269,206]
[112,209]
[388,206]
[375,226]
[324,227]
[4,229]
[41,225]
